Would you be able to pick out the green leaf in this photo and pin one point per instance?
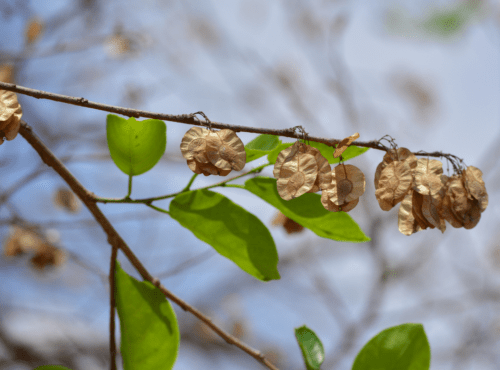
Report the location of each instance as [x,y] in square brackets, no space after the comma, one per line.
[308,211]
[51,367]
[402,347]
[260,146]
[230,229]
[135,146]
[276,151]
[311,347]
[327,151]
[149,330]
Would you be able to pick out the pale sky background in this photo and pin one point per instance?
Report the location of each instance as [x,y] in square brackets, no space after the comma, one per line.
[230,77]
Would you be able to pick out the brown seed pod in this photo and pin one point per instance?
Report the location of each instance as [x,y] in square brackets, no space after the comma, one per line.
[473,182]
[33,30]
[344,144]
[427,176]
[394,183]
[400,155]
[297,176]
[193,144]
[288,224]
[417,202]
[327,195]
[430,206]
[322,180]
[347,183]
[458,196]
[225,150]
[445,211]
[407,223]
[206,168]
[6,73]
[10,115]
[67,200]
[47,255]
[284,156]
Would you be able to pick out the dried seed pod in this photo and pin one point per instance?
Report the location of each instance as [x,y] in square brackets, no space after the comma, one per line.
[193,144]
[458,196]
[327,195]
[322,180]
[344,144]
[473,182]
[225,150]
[284,156]
[66,199]
[400,155]
[430,206]
[288,224]
[407,223]
[297,176]
[417,200]
[445,210]
[6,73]
[427,176]
[347,183]
[206,168]
[33,30]
[47,255]
[10,115]
[394,183]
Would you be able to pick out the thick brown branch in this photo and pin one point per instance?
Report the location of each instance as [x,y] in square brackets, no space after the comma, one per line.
[116,241]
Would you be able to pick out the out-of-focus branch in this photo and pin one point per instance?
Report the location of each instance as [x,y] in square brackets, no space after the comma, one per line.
[116,241]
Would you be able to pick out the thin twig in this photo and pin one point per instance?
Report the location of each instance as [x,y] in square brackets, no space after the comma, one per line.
[116,241]
[112,304]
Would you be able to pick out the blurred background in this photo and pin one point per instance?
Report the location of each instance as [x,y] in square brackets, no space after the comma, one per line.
[425,72]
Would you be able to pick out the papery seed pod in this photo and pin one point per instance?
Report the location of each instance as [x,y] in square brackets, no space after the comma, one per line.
[417,200]
[327,195]
[427,176]
[407,223]
[347,183]
[33,30]
[66,199]
[284,156]
[446,213]
[458,196]
[400,155]
[430,206]
[193,144]
[288,224]
[10,115]
[297,176]
[473,181]
[206,169]
[322,180]
[395,181]
[344,144]
[47,255]
[225,150]
[6,73]
[473,214]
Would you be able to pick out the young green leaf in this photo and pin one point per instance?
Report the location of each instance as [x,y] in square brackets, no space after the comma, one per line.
[311,347]
[327,151]
[135,146]
[308,211]
[52,367]
[402,347]
[230,229]
[149,330]
[260,146]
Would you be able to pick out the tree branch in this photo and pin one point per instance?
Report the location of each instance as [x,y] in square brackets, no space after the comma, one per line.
[116,240]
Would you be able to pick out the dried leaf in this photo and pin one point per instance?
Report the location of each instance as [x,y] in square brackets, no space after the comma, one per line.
[407,223]
[297,176]
[225,150]
[427,176]
[344,144]
[394,183]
